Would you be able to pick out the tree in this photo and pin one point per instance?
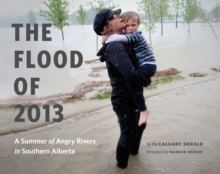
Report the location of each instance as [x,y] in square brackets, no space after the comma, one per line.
[190,12]
[100,4]
[90,16]
[97,5]
[176,6]
[81,15]
[203,15]
[162,8]
[216,12]
[149,8]
[32,17]
[57,13]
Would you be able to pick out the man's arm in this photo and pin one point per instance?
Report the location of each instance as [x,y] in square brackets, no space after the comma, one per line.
[122,62]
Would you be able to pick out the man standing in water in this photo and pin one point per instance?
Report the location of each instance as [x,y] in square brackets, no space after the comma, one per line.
[121,70]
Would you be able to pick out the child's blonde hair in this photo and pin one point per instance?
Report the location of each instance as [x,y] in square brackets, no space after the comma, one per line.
[131,15]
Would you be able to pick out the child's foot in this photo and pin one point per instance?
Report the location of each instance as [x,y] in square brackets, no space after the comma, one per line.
[143,117]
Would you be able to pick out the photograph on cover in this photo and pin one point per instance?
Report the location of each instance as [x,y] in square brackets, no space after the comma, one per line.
[106,86]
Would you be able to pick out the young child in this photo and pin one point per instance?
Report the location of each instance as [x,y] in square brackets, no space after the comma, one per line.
[145,58]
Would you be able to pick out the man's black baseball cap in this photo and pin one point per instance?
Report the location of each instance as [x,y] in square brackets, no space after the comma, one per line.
[101,19]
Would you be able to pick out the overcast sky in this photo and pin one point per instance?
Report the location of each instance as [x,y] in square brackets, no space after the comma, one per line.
[21,7]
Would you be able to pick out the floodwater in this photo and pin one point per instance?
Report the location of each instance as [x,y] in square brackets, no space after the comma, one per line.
[187,114]
[173,50]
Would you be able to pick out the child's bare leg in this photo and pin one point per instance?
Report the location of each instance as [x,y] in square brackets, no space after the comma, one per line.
[143,117]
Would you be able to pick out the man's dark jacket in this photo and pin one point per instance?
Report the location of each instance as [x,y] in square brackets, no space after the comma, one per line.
[121,69]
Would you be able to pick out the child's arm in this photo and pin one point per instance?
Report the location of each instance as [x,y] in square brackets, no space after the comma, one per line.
[117,37]
[133,37]
[127,38]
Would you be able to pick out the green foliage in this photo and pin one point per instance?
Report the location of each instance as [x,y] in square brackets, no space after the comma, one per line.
[103,95]
[190,10]
[149,8]
[32,17]
[97,5]
[57,13]
[162,10]
[176,6]
[164,80]
[90,16]
[149,26]
[81,15]
[202,13]
[216,11]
